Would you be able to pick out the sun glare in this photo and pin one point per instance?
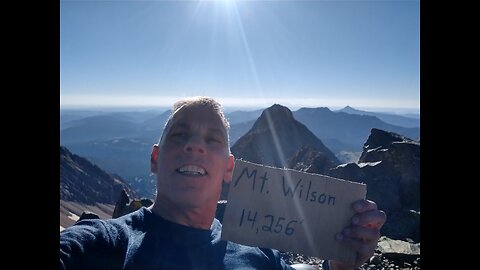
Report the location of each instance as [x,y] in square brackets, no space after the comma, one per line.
[226,3]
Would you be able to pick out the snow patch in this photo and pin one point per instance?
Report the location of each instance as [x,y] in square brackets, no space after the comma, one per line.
[73,217]
[363,164]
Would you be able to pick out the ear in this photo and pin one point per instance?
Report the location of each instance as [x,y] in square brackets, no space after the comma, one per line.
[153,159]
[227,178]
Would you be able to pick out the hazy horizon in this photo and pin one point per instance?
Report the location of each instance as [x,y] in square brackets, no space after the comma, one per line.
[229,109]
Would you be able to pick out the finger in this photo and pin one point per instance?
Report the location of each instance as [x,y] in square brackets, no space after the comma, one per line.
[372,219]
[362,206]
[362,233]
[364,249]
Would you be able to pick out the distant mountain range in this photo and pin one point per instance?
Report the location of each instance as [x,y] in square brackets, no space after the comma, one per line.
[120,142]
[408,120]
[389,164]
[345,131]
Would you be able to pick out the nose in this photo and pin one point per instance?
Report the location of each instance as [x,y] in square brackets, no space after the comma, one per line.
[195,144]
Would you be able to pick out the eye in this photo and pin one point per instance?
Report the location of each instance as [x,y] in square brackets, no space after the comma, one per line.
[214,140]
[178,135]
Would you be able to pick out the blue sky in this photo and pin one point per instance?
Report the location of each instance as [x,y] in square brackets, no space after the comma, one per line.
[365,54]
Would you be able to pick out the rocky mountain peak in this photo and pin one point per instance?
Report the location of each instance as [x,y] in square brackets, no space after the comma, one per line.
[279,111]
[383,138]
[390,166]
[348,109]
[275,137]
[275,115]
[379,141]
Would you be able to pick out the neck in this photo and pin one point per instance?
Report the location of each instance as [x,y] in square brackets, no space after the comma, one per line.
[195,217]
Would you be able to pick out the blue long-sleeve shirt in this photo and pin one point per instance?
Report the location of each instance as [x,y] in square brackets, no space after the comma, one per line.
[143,240]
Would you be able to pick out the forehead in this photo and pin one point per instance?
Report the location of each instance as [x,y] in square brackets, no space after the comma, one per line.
[198,115]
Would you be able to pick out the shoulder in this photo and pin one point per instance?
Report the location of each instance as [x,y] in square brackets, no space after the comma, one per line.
[85,229]
[88,230]
[93,242]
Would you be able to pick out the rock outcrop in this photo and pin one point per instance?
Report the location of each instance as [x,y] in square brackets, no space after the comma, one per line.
[124,205]
[390,166]
[309,159]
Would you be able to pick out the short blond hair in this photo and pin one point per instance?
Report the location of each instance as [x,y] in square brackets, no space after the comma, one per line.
[208,102]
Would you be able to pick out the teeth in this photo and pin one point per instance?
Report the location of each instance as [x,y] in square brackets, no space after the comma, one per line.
[192,170]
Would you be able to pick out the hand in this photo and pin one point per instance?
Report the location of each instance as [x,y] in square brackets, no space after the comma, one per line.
[362,235]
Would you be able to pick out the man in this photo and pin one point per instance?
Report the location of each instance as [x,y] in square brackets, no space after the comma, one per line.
[179,231]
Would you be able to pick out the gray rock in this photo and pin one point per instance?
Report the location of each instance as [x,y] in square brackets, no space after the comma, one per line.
[125,206]
[375,259]
[88,215]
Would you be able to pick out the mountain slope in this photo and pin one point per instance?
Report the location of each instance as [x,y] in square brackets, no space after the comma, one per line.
[236,117]
[128,157]
[81,181]
[71,211]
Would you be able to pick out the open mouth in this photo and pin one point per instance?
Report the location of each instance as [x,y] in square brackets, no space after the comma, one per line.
[192,170]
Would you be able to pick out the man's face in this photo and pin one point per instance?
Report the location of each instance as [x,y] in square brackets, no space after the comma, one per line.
[193,158]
